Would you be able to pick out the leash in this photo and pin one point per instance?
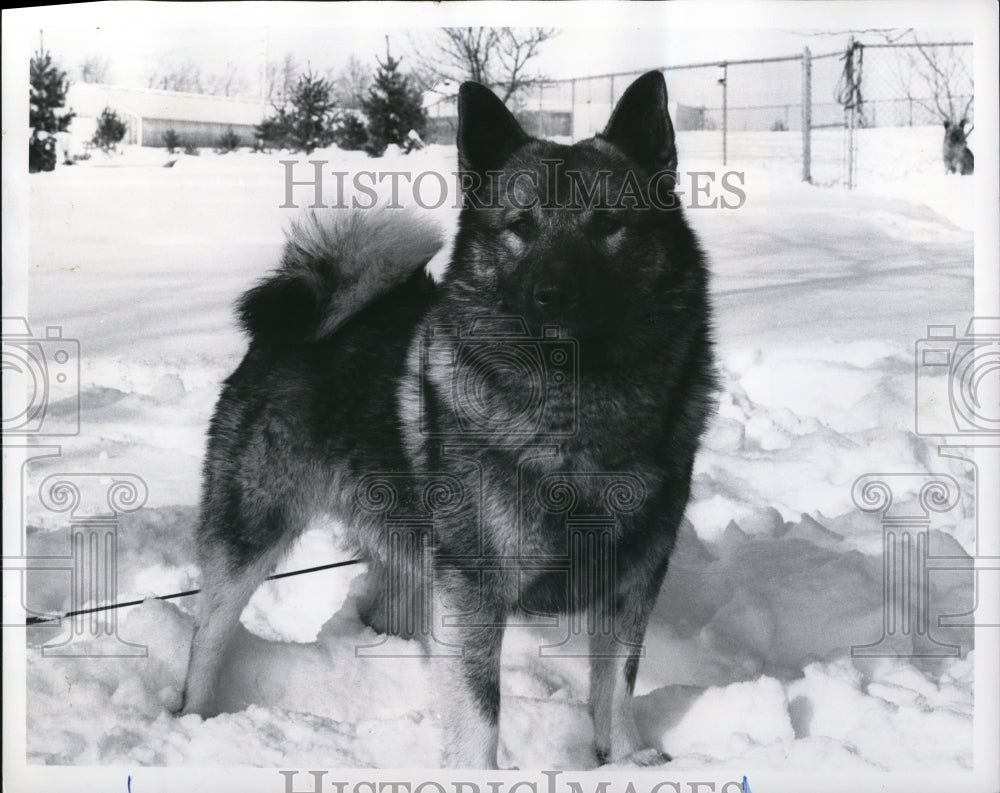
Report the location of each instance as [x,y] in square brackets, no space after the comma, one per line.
[41,620]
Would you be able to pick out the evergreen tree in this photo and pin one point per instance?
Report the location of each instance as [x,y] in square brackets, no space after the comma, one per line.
[308,120]
[351,134]
[272,132]
[393,107]
[48,93]
[110,131]
[227,142]
[171,140]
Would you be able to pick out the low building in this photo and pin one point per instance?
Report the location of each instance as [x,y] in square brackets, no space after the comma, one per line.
[198,119]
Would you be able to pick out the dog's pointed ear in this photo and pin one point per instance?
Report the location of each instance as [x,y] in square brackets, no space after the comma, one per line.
[487,131]
[640,124]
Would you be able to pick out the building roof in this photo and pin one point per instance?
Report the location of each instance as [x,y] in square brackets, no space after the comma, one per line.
[89,99]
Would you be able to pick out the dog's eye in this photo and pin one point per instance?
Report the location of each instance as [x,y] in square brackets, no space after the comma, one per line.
[606,224]
[521,225]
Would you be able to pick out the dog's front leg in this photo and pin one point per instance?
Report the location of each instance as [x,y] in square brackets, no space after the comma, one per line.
[614,661]
[465,657]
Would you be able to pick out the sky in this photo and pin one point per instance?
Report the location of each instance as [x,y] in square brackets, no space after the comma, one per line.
[137,39]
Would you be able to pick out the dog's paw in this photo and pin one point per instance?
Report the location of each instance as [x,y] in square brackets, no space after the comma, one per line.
[645,757]
[372,614]
[642,757]
[172,699]
[184,705]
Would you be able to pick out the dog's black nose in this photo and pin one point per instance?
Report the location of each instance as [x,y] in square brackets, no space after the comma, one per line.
[546,294]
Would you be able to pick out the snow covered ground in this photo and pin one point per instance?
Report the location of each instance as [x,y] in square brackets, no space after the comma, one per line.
[821,296]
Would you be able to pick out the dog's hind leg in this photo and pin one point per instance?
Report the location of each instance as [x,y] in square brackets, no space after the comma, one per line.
[227,587]
[390,601]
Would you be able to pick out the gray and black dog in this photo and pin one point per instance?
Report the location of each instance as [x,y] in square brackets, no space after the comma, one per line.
[955,150]
[516,439]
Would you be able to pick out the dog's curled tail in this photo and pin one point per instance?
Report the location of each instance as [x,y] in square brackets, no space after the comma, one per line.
[333,266]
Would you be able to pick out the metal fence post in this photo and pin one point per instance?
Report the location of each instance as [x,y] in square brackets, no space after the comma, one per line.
[572,110]
[851,115]
[723,79]
[806,115]
[541,126]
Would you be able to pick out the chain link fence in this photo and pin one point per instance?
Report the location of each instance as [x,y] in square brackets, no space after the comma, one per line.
[872,111]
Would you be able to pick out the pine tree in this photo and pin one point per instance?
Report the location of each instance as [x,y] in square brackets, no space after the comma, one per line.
[110,131]
[351,134]
[312,114]
[273,132]
[307,122]
[48,93]
[393,107]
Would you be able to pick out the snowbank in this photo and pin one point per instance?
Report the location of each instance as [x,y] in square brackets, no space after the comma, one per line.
[820,298]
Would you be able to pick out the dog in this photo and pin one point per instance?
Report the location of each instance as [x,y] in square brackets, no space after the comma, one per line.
[955,151]
[515,439]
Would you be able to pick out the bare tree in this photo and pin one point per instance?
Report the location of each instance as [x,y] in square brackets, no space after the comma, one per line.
[228,83]
[174,76]
[496,57]
[939,79]
[94,69]
[281,79]
[350,83]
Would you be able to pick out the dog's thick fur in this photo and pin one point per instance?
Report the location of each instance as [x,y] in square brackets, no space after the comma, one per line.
[955,150]
[485,462]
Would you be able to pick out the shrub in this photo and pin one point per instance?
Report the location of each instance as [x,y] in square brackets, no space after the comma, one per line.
[227,142]
[273,132]
[172,141]
[191,149]
[110,131]
[351,133]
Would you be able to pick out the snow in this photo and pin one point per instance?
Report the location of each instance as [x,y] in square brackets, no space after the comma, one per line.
[820,297]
